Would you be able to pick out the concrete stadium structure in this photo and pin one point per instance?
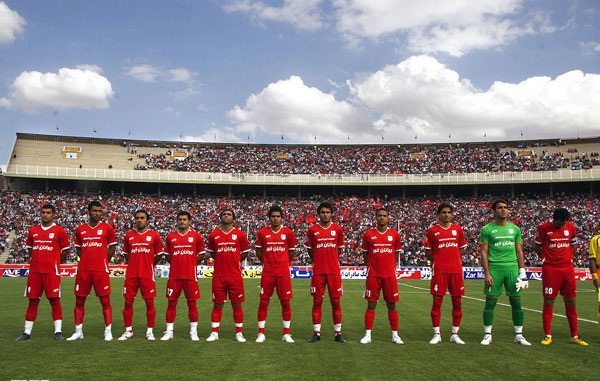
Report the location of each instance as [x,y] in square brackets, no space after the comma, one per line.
[91,165]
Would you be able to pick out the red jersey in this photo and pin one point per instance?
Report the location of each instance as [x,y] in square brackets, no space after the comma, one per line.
[276,247]
[556,243]
[94,243]
[325,243]
[445,244]
[184,250]
[141,249]
[382,251]
[46,244]
[227,249]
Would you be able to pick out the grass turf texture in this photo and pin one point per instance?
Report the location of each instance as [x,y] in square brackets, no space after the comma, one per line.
[42,357]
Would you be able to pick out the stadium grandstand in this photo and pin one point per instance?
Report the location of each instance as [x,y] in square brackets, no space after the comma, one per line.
[164,177]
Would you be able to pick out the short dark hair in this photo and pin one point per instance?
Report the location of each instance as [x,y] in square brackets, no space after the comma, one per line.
[94,203]
[184,213]
[275,208]
[498,201]
[49,206]
[325,205]
[227,210]
[444,205]
[561,214]
[382,208]
[142,211]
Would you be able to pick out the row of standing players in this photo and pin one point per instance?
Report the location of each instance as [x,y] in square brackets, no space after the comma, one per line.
[500,250]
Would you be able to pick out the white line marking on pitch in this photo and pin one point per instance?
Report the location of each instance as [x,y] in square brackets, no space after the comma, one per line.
[502,304]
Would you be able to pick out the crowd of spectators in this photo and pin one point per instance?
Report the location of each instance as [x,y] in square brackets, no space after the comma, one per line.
[359,159]
[411,216]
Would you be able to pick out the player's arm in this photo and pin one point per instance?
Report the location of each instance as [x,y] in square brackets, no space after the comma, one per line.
[201,256]
[520,256]
[64,253]
[158,257]
[483,254]
[309,251]
[592,262]
[244,254]
[259,252]
[111,251]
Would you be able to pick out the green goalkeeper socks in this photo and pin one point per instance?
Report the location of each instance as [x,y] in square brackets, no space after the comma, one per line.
[517,311]
[488,311]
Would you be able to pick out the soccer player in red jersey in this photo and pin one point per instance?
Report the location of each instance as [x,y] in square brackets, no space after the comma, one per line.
[325,244]
[381,249]
[275,247]
[555,242]
[95,243]
[228,246]
[142,249]
[444,246]
[184,250]
[47,245]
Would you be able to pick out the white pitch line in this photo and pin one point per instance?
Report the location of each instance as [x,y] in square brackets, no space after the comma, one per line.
[502,304]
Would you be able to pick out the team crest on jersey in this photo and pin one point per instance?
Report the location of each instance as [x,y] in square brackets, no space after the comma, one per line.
[283,236]
[454,233]
[390,238]
[234,236]
[99,231]
[564,231]
[511,231]
[51,235]
[190,239]
[148,238]
[333,233]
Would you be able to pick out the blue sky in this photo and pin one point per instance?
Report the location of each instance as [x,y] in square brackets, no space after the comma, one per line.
[300,71]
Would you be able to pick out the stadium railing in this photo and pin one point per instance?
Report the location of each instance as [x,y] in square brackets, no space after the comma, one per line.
[563,175]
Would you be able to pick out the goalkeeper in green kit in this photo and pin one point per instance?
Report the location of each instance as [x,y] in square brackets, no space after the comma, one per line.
[504,266]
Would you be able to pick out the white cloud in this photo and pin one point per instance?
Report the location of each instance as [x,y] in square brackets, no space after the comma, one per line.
[181,74]
[432,26]
[144,73]
[301,14]
[421,96]
[214,135]
[32,91]
[11,24]
[299,112]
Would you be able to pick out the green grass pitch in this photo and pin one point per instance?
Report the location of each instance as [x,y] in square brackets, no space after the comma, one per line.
[42,358]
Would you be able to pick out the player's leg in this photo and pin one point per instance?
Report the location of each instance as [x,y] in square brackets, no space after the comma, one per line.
[371,294]
[437,288]
[57,315]
[33,292]
[237,296]
[129,292]
[284,292]
[173,291]
[317,290]
[266,290]
[192,294]
[219,296]
[456,286]
[148,291]
[514,296]
[569,293]
[391,296]
[150,318]
[101,283]
[334,287]
[550,289]
[83,286]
